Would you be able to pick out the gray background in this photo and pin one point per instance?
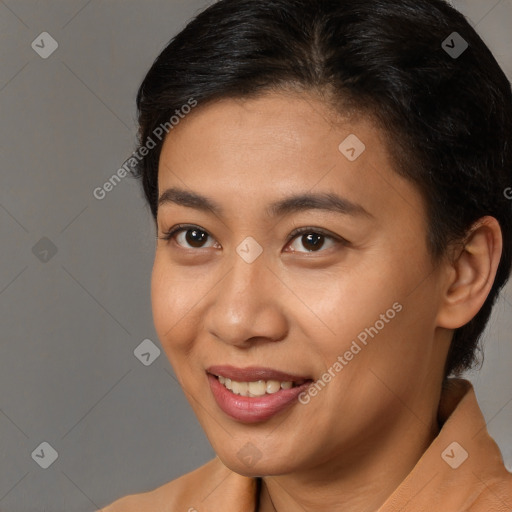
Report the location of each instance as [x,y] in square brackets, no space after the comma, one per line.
[70,325]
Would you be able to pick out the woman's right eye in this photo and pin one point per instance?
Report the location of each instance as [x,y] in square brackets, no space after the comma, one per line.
[194,236]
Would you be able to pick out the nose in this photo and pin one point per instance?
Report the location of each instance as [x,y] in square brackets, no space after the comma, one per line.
[247,306]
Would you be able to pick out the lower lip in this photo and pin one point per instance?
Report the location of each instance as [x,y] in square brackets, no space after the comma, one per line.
[253,409]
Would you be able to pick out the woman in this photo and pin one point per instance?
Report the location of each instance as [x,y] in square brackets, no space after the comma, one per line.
[328,185]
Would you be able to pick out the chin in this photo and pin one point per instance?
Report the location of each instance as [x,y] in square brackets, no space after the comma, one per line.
[243,465]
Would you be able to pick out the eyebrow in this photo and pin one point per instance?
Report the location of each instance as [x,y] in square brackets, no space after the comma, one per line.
[301,202]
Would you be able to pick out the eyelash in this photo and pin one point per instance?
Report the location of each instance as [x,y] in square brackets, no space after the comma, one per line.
[169,235]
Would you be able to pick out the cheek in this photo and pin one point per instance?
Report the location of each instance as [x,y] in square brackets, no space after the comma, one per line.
[171,300]
[399,346]
[381,315]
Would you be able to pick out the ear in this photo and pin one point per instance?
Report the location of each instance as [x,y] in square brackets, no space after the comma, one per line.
[470,274]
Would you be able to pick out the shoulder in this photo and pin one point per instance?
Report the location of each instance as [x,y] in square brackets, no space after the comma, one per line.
[183,491]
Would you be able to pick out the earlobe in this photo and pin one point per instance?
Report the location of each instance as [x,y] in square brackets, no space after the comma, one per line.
[471,274]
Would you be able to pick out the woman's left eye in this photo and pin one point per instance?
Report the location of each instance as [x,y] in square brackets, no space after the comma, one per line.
[312,239]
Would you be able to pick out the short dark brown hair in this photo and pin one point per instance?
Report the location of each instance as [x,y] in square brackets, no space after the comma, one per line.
[448,117]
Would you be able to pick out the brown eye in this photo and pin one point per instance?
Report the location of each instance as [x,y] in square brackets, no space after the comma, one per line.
[312,240]
[188,237]
[195,237]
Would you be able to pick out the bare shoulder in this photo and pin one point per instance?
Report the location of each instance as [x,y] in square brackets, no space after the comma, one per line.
[177,493]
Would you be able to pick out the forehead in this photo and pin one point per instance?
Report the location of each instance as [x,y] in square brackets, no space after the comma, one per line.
[258,149]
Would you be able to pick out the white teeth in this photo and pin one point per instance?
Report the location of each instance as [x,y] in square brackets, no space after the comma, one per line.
[239,388]
[257,388]
[273,386]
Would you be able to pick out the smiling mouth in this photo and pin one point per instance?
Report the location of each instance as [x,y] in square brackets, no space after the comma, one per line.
[255,381]
[254,394]
[257,388]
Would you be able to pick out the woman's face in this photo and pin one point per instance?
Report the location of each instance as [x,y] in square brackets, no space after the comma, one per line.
[345,310]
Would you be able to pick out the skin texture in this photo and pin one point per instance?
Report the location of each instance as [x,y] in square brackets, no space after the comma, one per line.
[296,309]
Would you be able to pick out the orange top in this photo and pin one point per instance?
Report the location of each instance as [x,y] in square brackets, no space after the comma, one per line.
[461,471]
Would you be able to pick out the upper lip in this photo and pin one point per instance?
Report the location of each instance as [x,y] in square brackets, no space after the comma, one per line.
[254,373]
